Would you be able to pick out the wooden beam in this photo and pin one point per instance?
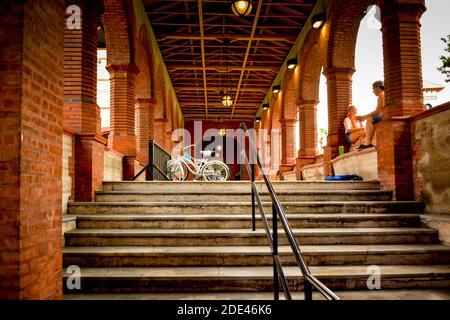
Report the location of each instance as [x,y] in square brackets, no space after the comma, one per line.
[248,89]
[231,37]
[223,69]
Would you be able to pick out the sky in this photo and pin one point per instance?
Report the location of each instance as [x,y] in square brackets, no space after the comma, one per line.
[369,58]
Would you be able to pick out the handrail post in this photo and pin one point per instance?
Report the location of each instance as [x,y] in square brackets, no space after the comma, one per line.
[253,198]
[276,289]
[308,289]
[151,160]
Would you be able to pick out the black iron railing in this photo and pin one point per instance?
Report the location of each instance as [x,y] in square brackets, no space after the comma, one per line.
[157,160]
[279,215]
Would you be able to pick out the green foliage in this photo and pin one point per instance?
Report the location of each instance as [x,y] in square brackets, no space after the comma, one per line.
[322,136]
[445,69]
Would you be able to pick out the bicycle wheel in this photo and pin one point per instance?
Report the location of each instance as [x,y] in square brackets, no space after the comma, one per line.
[176,171]
[215,171]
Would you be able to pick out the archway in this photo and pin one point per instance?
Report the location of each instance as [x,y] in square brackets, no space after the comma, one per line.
[344,21]
[368,61]
[311,92]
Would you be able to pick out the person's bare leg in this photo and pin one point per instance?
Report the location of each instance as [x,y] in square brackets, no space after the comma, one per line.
[355,136]
[370,131]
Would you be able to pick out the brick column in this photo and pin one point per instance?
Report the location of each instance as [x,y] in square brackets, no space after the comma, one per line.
[169,143]
[81,113]
[160,131]
[308,134]
[123,103]
[339,82]
[287,145]
[145,126]
[31,133]
[404,97]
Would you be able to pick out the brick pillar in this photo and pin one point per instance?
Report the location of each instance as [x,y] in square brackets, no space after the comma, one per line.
[307,112]
[339,82]
[160,131]
[404,97]
[145,123]
[287,145]
[81,113]
[169,143]
[123,103]
[31,131]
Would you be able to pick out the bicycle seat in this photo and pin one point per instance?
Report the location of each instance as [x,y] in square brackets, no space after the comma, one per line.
[206,153]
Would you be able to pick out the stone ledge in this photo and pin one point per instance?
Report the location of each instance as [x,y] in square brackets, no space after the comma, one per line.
[69,223]
[289,176]
[440,222]
[363,163]
[313,172]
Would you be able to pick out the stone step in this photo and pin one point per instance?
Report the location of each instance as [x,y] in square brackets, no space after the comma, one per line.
[253,279]
[335,220]
[241,196]
[218,187]
[318,255]
[135,208]
[225,237]
[404,294]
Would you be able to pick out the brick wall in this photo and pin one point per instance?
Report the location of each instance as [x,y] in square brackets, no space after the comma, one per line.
[31,82]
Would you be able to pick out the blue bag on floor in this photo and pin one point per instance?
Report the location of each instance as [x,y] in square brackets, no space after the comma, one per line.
[348,177]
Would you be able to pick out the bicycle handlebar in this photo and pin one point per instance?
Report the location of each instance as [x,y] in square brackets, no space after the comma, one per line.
[190,146]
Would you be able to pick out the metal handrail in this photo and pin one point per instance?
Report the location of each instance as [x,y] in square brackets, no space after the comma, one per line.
[156,154]
[278,212]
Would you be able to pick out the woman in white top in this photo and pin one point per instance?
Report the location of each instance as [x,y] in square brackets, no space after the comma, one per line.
[354,130]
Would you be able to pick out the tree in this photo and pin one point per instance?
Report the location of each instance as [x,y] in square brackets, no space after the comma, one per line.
[445,69]
[323,133]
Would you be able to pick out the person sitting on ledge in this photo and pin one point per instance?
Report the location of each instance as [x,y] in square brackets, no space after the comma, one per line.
[354,130]
[373,117]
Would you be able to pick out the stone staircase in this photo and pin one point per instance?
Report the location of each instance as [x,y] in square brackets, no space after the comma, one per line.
[192,240]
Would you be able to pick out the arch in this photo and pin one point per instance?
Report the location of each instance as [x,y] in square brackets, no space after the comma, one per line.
[343,26]
[144,62]
[312,57]
[117,32]
[344,20]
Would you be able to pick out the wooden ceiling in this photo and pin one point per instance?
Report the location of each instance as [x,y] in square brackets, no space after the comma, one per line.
[200,40]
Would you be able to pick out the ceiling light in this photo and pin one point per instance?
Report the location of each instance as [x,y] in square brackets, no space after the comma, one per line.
[241,8]
[318,20]
[265,106]
[227,101]
[258,119]
[276,88]
[292,63]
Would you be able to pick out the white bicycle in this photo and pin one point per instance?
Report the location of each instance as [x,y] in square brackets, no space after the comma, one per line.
[202,169]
